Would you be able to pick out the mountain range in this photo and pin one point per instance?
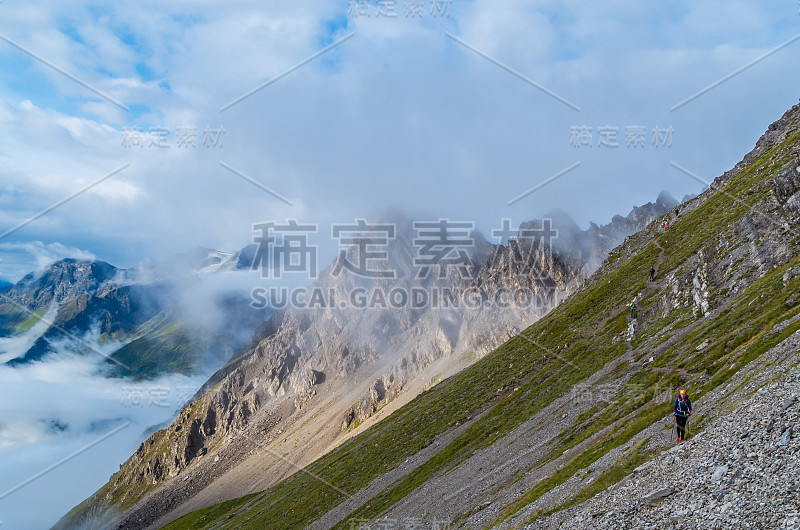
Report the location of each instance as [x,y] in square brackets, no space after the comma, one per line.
[519,388]
[310,379]
[346,419]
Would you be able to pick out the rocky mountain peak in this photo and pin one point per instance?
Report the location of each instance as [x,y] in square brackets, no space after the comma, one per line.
[665,201]
[62,280]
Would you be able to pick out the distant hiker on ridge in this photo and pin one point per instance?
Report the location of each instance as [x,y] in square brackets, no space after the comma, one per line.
[652,273]
[632,305]
[681,410]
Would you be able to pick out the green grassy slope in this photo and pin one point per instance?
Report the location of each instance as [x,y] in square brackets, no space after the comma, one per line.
[567,346]
[162,345]
[13,321]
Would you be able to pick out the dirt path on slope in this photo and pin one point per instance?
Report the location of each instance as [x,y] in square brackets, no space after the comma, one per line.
[649,286]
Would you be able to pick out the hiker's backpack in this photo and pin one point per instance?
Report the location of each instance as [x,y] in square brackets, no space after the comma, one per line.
[682,407]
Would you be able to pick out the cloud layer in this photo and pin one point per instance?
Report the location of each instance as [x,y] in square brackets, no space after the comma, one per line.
[57,407]
[398,115]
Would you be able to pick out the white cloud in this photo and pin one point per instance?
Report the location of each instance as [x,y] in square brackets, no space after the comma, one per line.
[57,407]
[117,190]
[16,346]
[17,259]
[397,115]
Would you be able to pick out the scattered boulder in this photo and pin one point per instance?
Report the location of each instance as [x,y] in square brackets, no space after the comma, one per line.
[718,473]
[785,437]
[656,496]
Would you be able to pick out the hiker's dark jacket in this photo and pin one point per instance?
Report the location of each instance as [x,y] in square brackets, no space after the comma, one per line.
[682,406]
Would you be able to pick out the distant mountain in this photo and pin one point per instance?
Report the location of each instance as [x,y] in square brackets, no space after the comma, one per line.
[592,246]
[170,343]
[61,281]
[34,294]
[199,261]
[5,286]
[86,300]
[77,303]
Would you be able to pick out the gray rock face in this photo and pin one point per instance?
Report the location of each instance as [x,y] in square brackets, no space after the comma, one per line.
[89,301]
[379,349]
[110,311]
[710,270]
[752,476]
[592,246]
[85,297]
[63,280]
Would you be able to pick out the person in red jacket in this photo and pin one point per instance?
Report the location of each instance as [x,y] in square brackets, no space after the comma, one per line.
[681,410]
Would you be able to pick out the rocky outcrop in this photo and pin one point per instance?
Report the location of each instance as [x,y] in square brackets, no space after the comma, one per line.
[63,280]
[87,296]
[693,329]
[591,247]
[110,313]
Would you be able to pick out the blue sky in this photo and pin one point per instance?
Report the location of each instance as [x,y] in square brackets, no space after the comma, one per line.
[400,116]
